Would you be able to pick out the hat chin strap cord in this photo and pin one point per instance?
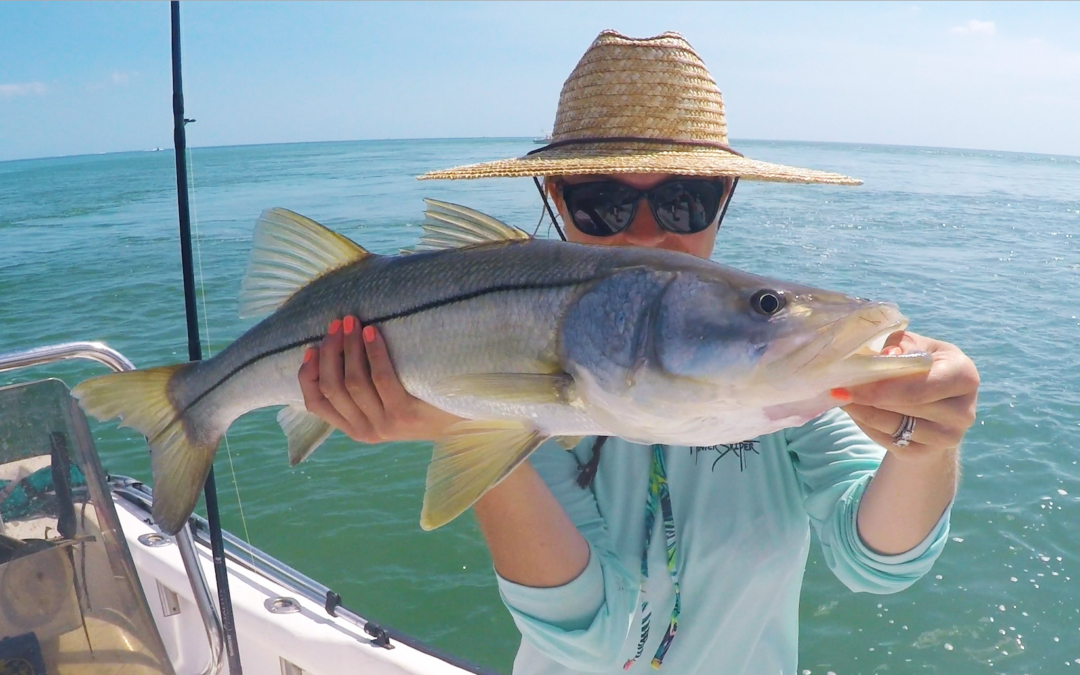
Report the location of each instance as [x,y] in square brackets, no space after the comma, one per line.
[547,206]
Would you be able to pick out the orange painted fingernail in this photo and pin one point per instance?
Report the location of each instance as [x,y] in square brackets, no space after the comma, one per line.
[335,325]
[308,353]
[369,333]
[350,325]
[841,394]
[893,351]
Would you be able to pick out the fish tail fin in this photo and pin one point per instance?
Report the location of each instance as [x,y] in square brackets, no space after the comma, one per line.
[182,444]
[472,460]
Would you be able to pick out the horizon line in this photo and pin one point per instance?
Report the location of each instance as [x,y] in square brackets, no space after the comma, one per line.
[516,138]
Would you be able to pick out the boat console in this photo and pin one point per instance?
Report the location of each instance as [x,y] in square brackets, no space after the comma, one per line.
[70,598]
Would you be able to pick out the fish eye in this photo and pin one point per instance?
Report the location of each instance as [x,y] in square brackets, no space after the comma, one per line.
[767,302]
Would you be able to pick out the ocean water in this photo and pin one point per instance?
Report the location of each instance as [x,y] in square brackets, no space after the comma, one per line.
[981,249]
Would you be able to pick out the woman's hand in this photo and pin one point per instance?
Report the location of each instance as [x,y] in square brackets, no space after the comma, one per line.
[350,382]
[914,484]
[942,400]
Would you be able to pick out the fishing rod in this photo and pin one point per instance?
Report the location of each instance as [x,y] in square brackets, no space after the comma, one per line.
[213,517]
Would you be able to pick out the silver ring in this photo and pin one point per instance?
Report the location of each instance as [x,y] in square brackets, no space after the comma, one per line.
[902,437]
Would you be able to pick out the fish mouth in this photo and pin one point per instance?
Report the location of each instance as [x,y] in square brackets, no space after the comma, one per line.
[844,352]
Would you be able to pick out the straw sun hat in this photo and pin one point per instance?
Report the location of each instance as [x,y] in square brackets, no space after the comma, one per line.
[640,106]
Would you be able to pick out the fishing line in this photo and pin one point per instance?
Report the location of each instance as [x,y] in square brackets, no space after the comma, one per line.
[540,222]
[208,343]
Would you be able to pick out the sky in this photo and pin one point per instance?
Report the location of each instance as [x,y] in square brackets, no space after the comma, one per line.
[91,77]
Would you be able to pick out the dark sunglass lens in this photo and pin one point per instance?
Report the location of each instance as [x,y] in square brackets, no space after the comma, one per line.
[600,209]
[686,207]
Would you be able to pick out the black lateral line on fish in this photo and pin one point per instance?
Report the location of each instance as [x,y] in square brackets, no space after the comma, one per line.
[434,304]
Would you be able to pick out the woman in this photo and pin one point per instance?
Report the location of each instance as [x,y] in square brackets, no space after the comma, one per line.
[711,542]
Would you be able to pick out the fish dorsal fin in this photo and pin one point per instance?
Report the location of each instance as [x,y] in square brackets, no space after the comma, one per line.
[290,251]
[449,225]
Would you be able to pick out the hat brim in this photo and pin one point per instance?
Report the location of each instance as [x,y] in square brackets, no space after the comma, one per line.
[613,158]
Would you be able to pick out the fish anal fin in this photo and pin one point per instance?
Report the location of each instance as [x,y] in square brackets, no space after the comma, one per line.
[522,388]
[472,460]
[289,251]
[304,431]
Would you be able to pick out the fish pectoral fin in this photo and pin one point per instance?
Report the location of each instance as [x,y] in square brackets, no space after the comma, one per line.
[449,225]
[472,460]
[569,442]
[304,431]
[290,251]
[533,388]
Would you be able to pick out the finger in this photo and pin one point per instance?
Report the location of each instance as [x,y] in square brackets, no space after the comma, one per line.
[383,375]
[885,441]
[357,374]
[909,342]
[958,412]
[886,423]
[331,367]
[332,385]
[314,400]
[309,375]
[895,341]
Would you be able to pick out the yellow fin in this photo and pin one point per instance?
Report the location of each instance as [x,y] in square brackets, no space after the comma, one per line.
[290,251]
[511,387]
[449,225]
[569,442]
[179,461]
[470,462]
[304,431]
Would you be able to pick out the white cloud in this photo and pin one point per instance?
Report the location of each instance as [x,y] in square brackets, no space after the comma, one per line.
[976,27]
[25,89]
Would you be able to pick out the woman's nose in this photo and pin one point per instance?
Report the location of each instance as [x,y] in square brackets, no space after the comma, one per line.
[643,230]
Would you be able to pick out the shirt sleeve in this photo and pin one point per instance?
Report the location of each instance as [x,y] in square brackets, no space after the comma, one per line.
[584,623]
[835,461]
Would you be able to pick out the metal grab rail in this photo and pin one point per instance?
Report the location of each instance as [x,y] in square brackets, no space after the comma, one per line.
[90,351]
[109,357]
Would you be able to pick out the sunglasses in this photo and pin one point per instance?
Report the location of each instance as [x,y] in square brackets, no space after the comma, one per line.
[682,206]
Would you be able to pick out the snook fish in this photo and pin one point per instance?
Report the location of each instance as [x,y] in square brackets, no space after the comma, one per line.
[526,339]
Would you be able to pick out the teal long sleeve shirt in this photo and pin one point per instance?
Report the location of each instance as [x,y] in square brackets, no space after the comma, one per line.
[742,516]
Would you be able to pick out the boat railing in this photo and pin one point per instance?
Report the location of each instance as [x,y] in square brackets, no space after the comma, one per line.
[239,552]
[90,351]
[109,357]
